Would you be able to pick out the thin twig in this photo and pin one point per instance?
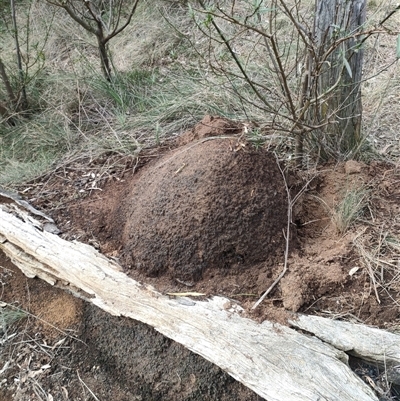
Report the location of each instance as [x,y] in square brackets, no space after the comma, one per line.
[291,202]
[289,220]
[367,262]
[86,386]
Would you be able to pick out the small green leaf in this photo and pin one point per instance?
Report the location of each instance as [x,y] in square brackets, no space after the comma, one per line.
[208,20]
[398,47]
[191,11]
[348,68]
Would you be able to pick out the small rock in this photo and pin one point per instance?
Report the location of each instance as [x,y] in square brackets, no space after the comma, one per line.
[51,228]
[352,167]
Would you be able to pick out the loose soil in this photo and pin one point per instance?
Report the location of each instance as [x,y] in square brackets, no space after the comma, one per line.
[68,348]
[206,213]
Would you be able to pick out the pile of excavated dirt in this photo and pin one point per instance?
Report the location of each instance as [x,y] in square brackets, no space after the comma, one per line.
[205,206]
[203,214]
[208,213]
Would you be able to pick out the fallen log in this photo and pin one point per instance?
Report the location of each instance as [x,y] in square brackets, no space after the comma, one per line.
[368,343]
[275,361]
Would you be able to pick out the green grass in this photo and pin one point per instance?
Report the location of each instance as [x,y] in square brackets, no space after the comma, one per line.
[159,90]
[31,147]
[350,208]
[162,86]
[136,110]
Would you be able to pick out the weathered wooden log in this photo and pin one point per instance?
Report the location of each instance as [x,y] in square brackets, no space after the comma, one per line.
[368,343]
[275,361]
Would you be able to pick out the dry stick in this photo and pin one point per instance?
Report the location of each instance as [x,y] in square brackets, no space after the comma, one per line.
[289,220]
[367,261]
[87,387]
[19,59]
[291,203]
[35,390]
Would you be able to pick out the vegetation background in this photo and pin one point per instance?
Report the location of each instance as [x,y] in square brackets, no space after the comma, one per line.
[163,83]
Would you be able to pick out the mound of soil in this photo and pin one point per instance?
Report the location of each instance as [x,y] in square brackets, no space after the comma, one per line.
[203,208]
[212,204]
[207,213]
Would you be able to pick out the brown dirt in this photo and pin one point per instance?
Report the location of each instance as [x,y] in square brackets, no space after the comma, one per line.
[223,211]
[208,214]
[75,347]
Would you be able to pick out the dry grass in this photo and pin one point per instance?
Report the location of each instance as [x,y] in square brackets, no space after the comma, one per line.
[163,87]
[350,208]
[379,254]
[381,86]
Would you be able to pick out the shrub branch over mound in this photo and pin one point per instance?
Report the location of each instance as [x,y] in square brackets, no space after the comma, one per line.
[304,71]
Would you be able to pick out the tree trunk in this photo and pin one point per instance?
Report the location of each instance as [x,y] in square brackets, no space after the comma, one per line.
[4,111]
[3,74]
[23,99]
[337,28]
[104,59]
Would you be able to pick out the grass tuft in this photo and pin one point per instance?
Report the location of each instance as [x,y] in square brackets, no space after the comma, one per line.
[350,208]
[8,316]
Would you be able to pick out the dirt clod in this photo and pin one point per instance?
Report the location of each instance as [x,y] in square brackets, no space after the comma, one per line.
[353,167]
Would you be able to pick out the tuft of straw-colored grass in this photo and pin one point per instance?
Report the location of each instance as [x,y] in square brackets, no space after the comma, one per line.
[350,208]
[379,255]
[8,316]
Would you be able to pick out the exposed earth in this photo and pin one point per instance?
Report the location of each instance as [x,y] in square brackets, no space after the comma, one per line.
[207,212]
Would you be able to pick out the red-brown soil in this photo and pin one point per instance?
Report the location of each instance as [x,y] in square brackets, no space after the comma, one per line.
[208,213]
